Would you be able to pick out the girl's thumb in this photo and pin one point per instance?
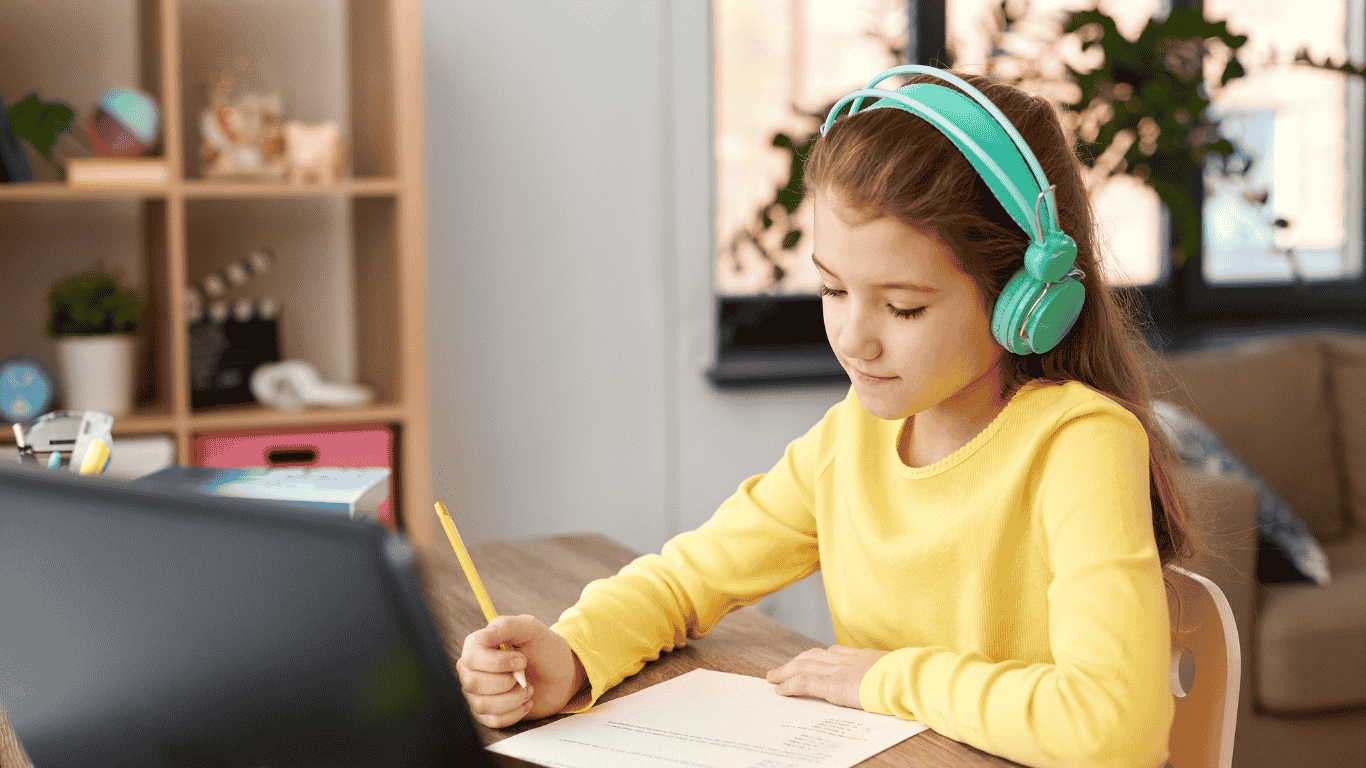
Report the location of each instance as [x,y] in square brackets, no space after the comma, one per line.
[512,629]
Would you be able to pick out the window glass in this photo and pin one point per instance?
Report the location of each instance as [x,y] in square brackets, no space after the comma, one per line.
[775,60]
[1302,127]
[1133,237]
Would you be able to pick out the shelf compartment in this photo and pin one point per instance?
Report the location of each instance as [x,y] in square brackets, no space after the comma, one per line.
[48,51]
[321,301]
[328,60]
[47,240]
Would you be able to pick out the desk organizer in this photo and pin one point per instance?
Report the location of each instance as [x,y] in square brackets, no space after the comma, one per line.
[343,445]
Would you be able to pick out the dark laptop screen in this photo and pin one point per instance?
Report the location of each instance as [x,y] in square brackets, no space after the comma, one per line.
[149,627]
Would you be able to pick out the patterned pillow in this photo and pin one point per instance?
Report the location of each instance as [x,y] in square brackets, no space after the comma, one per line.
[1280,533]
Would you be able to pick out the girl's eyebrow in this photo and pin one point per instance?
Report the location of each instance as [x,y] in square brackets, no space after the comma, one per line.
[895,286]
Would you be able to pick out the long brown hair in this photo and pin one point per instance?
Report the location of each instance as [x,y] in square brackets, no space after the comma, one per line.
[888,162]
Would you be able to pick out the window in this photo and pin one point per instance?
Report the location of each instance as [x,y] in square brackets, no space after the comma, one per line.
[778,62]
[1303,129]
[781,63]
[1134,245]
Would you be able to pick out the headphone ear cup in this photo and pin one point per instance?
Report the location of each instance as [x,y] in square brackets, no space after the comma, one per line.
[1008,315]
[1056,313]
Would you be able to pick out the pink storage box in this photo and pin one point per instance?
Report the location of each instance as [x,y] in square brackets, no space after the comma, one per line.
[343,445]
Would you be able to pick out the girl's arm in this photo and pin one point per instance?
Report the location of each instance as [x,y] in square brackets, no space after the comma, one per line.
[1105,700]
[760,540]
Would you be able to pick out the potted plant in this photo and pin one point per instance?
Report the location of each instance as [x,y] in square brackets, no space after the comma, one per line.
[93,320]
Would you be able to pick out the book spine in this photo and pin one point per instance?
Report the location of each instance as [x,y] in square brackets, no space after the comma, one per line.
[81,175]
[13,165]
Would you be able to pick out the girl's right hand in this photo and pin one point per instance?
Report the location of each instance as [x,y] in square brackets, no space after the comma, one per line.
[553,672]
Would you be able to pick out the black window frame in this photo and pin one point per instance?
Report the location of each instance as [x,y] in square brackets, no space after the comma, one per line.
[768,340]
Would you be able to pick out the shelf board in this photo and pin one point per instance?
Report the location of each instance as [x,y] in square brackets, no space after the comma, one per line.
[253,416]
[60,190]
[246,416]
[355,187]
[146,421]
[369,186]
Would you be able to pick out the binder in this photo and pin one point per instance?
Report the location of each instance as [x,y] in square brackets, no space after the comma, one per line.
[13,164]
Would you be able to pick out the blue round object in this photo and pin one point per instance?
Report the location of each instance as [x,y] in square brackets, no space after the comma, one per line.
[26,389]
[135,111]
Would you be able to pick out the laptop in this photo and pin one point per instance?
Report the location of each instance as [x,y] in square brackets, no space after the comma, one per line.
[161,628]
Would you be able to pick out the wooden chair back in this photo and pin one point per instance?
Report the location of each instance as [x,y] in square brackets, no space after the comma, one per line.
[1204,632]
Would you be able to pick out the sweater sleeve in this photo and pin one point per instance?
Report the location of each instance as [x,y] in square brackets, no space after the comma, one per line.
[1105,700]
[760,540]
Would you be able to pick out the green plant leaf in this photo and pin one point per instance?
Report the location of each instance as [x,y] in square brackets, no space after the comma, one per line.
[40,122]
[92,302]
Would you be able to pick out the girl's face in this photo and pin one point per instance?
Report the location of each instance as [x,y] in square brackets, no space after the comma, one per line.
[906,350]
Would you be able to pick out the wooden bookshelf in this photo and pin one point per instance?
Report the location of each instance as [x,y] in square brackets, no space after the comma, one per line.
[351,255]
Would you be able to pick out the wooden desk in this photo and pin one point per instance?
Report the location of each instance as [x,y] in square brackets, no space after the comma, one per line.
[543,577]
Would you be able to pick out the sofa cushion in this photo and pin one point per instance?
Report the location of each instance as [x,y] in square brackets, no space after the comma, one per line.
[1347,393]
[1311,640]
[1246,391]
[1278,527]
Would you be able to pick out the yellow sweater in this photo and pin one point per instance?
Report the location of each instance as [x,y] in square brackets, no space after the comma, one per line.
[1015,582]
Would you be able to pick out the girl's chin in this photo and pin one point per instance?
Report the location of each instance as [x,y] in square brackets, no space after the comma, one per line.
[883,406]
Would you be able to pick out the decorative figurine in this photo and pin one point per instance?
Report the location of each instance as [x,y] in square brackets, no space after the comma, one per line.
[313,153]
[125,124]
[243,136]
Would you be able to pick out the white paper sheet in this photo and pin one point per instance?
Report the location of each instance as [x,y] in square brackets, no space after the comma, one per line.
[707,719]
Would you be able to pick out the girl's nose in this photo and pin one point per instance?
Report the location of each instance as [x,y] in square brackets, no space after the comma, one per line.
[858,338]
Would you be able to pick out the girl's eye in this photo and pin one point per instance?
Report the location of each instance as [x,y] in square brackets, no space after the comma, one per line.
[903,313]
[917,312]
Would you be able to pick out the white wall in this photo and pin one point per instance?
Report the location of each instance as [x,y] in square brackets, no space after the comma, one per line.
[571,238]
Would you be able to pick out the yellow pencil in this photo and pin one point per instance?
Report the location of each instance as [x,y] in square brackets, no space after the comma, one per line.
[473,576]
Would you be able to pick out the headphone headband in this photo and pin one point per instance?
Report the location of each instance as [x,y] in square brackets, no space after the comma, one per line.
[948,97]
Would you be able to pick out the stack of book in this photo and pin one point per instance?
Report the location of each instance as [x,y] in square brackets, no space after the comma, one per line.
[117,172]
[355,492]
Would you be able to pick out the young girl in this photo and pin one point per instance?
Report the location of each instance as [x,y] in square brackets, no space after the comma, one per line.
[991,526]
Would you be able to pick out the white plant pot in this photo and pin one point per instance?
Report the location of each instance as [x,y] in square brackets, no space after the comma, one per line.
[97,372]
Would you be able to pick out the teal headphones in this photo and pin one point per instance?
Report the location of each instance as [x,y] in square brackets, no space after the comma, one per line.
[1042,301]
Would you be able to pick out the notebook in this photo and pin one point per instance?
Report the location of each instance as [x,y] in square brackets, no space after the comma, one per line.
[148,626]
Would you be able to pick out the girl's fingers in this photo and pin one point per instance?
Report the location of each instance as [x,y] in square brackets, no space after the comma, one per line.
[495,660]
[501,710]
[485,683]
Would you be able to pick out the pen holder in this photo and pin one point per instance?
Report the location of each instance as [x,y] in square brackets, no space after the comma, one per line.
[65,438]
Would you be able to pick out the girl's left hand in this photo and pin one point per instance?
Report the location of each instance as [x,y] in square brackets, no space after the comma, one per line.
[833,674]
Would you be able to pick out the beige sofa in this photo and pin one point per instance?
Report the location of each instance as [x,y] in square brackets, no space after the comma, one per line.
[1292,407]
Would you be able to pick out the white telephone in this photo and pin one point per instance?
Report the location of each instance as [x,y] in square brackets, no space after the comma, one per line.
[293,384]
